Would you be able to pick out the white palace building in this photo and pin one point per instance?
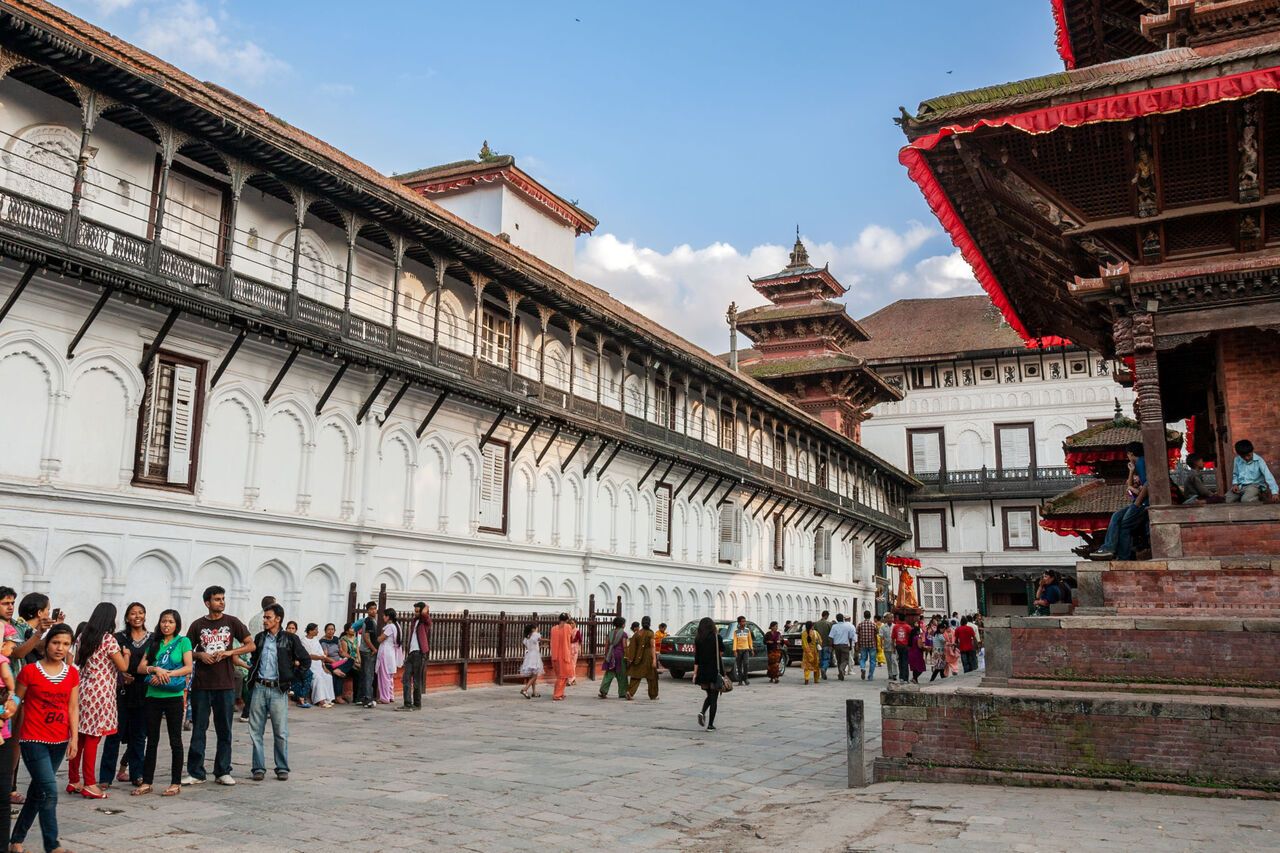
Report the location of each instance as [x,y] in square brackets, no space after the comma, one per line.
[231,354]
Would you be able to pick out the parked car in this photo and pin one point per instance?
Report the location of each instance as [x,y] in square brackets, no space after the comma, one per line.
[676,654]
[791,642]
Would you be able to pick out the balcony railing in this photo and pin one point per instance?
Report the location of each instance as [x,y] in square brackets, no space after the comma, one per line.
[36,217]
[1012,482]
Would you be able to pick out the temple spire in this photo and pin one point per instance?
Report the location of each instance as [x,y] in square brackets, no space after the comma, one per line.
[799,254]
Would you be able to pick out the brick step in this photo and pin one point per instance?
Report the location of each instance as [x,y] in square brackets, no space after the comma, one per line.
[1177,650]
[1238,585]
[1095,687]
[1218,745]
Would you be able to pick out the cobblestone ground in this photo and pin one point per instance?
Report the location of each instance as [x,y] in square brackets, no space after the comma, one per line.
[488,770]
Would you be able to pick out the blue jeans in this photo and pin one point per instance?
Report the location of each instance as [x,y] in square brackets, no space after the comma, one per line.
[273,703]
[221,704]
[133,731]
[824,660]
[1120,530]
[302,686]
[42,760]
[867,661]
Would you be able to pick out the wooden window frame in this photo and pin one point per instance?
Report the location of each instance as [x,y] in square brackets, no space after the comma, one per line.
[1005,511]
[728,419]
[946,592]
[942,448]
[661,487]
[915,525]
[197,428]
[927,376]
[506,484]
[513,333]
[224,211]
[1030,427]
[779,458]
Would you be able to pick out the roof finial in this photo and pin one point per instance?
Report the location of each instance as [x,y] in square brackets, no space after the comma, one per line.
[487,153]
[799,254]
[1119,416]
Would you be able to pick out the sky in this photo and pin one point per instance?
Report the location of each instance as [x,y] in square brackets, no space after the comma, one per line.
[700,134]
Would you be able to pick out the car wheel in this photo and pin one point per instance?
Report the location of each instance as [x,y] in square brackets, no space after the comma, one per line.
[784,663]
[677,673]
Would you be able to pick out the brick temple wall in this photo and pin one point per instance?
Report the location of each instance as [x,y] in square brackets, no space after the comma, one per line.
[1247,374]
[1160,652]
[1253,589]
[1028,737]
[1260,537]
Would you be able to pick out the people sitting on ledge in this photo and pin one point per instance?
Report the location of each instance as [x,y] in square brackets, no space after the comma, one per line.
[1129,519]
[1251,480]
[1189,488]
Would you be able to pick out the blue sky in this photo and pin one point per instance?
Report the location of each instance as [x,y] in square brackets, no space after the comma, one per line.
[699,133]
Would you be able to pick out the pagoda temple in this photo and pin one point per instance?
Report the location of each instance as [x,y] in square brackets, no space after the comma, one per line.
[801,345]
[1131,204]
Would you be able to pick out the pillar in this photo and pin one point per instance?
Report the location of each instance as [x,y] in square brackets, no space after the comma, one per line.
[1135,335]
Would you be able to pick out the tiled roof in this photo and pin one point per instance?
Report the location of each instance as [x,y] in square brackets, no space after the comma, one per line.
[933,328]
[105,47]
[769,313]
[1114,433]
[1071,85]
[458,167]
[1095,497]
[773,368]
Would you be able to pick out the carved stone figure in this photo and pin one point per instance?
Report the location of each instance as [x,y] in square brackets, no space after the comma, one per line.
[1249,156]
[1144,178]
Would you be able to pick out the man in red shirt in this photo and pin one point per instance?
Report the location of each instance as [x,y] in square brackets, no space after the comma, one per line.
[901,639]
[967,643]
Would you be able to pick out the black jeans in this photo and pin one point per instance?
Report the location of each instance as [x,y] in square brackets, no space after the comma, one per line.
[969,661]
[132,729]
[171,711]
[368,672]
[904,672]
[414,679]
[741,663]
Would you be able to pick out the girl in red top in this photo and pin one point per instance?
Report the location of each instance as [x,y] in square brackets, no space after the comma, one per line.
[50,694]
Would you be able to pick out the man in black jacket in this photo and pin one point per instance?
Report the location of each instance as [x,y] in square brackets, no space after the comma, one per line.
[278,658]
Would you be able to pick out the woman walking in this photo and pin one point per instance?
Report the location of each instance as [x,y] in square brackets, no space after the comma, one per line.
[773,645]
[706,670]
[937,652]
[614,667]
[50,688]
[916,646]
[388,658]
[321,683]
[642,661]
[952,651]
[531,666]
[810,654]
[575,649]
[99,658]
[165,665]
[131,691]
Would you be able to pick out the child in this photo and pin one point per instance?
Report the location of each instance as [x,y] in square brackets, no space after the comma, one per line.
[531,666]
[1251,480]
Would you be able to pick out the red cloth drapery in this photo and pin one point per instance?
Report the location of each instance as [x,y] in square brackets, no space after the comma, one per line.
[1168,99]
[896,562]
[1061,35]
[1085,461]
[1076,525]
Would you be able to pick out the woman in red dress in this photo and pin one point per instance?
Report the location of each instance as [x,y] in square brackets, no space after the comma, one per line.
[99,658]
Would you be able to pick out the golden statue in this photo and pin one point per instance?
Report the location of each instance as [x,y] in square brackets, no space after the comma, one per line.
[906,599]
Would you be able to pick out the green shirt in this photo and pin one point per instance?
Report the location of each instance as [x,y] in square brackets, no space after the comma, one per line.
[169,657]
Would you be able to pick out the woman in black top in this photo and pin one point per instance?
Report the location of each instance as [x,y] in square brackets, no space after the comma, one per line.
[132,725]
[707,670]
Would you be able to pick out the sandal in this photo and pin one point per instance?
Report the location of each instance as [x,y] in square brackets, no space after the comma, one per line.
[172,791]
[141,790]
[122,776]
[17,799]
[90,795]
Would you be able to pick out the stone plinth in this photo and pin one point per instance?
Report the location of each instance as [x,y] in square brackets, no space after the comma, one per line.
[1215,530]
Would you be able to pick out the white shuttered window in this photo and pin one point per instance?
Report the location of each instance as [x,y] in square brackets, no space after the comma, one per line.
[493,488]
[662,519]
[167,436]
[821,552]
[730,532]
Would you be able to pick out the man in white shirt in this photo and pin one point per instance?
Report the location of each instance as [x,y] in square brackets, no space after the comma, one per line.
[842,637]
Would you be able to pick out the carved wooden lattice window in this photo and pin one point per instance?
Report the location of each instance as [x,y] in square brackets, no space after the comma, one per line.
[1193,167]
[1087,166]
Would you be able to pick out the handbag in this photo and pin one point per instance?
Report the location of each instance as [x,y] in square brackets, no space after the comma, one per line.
[726,686]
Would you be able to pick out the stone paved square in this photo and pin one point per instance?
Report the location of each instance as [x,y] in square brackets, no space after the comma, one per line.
[487,770]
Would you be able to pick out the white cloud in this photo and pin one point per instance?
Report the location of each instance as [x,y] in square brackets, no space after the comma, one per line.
[687,289]
[194,37]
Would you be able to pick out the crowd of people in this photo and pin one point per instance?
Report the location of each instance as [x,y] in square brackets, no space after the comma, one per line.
[97,696]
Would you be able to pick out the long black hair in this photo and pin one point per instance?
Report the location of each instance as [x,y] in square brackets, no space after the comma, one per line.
[706,630]
[101,622]
[153,650]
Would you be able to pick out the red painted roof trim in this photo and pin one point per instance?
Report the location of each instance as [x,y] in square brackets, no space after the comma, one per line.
[1062,36]
[1168,99]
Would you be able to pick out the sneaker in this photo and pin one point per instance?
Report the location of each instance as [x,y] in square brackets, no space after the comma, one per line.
[191,780]
[1102,555]
[225,779]
[702,719]
[404,708]
[259,775]
[1081,551]
[711,728]
[282,775]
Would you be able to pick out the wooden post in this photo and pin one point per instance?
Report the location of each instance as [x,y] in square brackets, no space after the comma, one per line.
[501,654]
[351,603]
[464,648]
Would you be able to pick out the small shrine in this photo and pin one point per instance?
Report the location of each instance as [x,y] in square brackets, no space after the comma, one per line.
[906,601]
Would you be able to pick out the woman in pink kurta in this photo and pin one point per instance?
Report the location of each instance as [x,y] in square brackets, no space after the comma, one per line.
[99,659]
[388,658]
[575,649]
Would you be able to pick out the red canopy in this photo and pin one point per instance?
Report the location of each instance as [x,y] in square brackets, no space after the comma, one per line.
[897,562]
[1076,525]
